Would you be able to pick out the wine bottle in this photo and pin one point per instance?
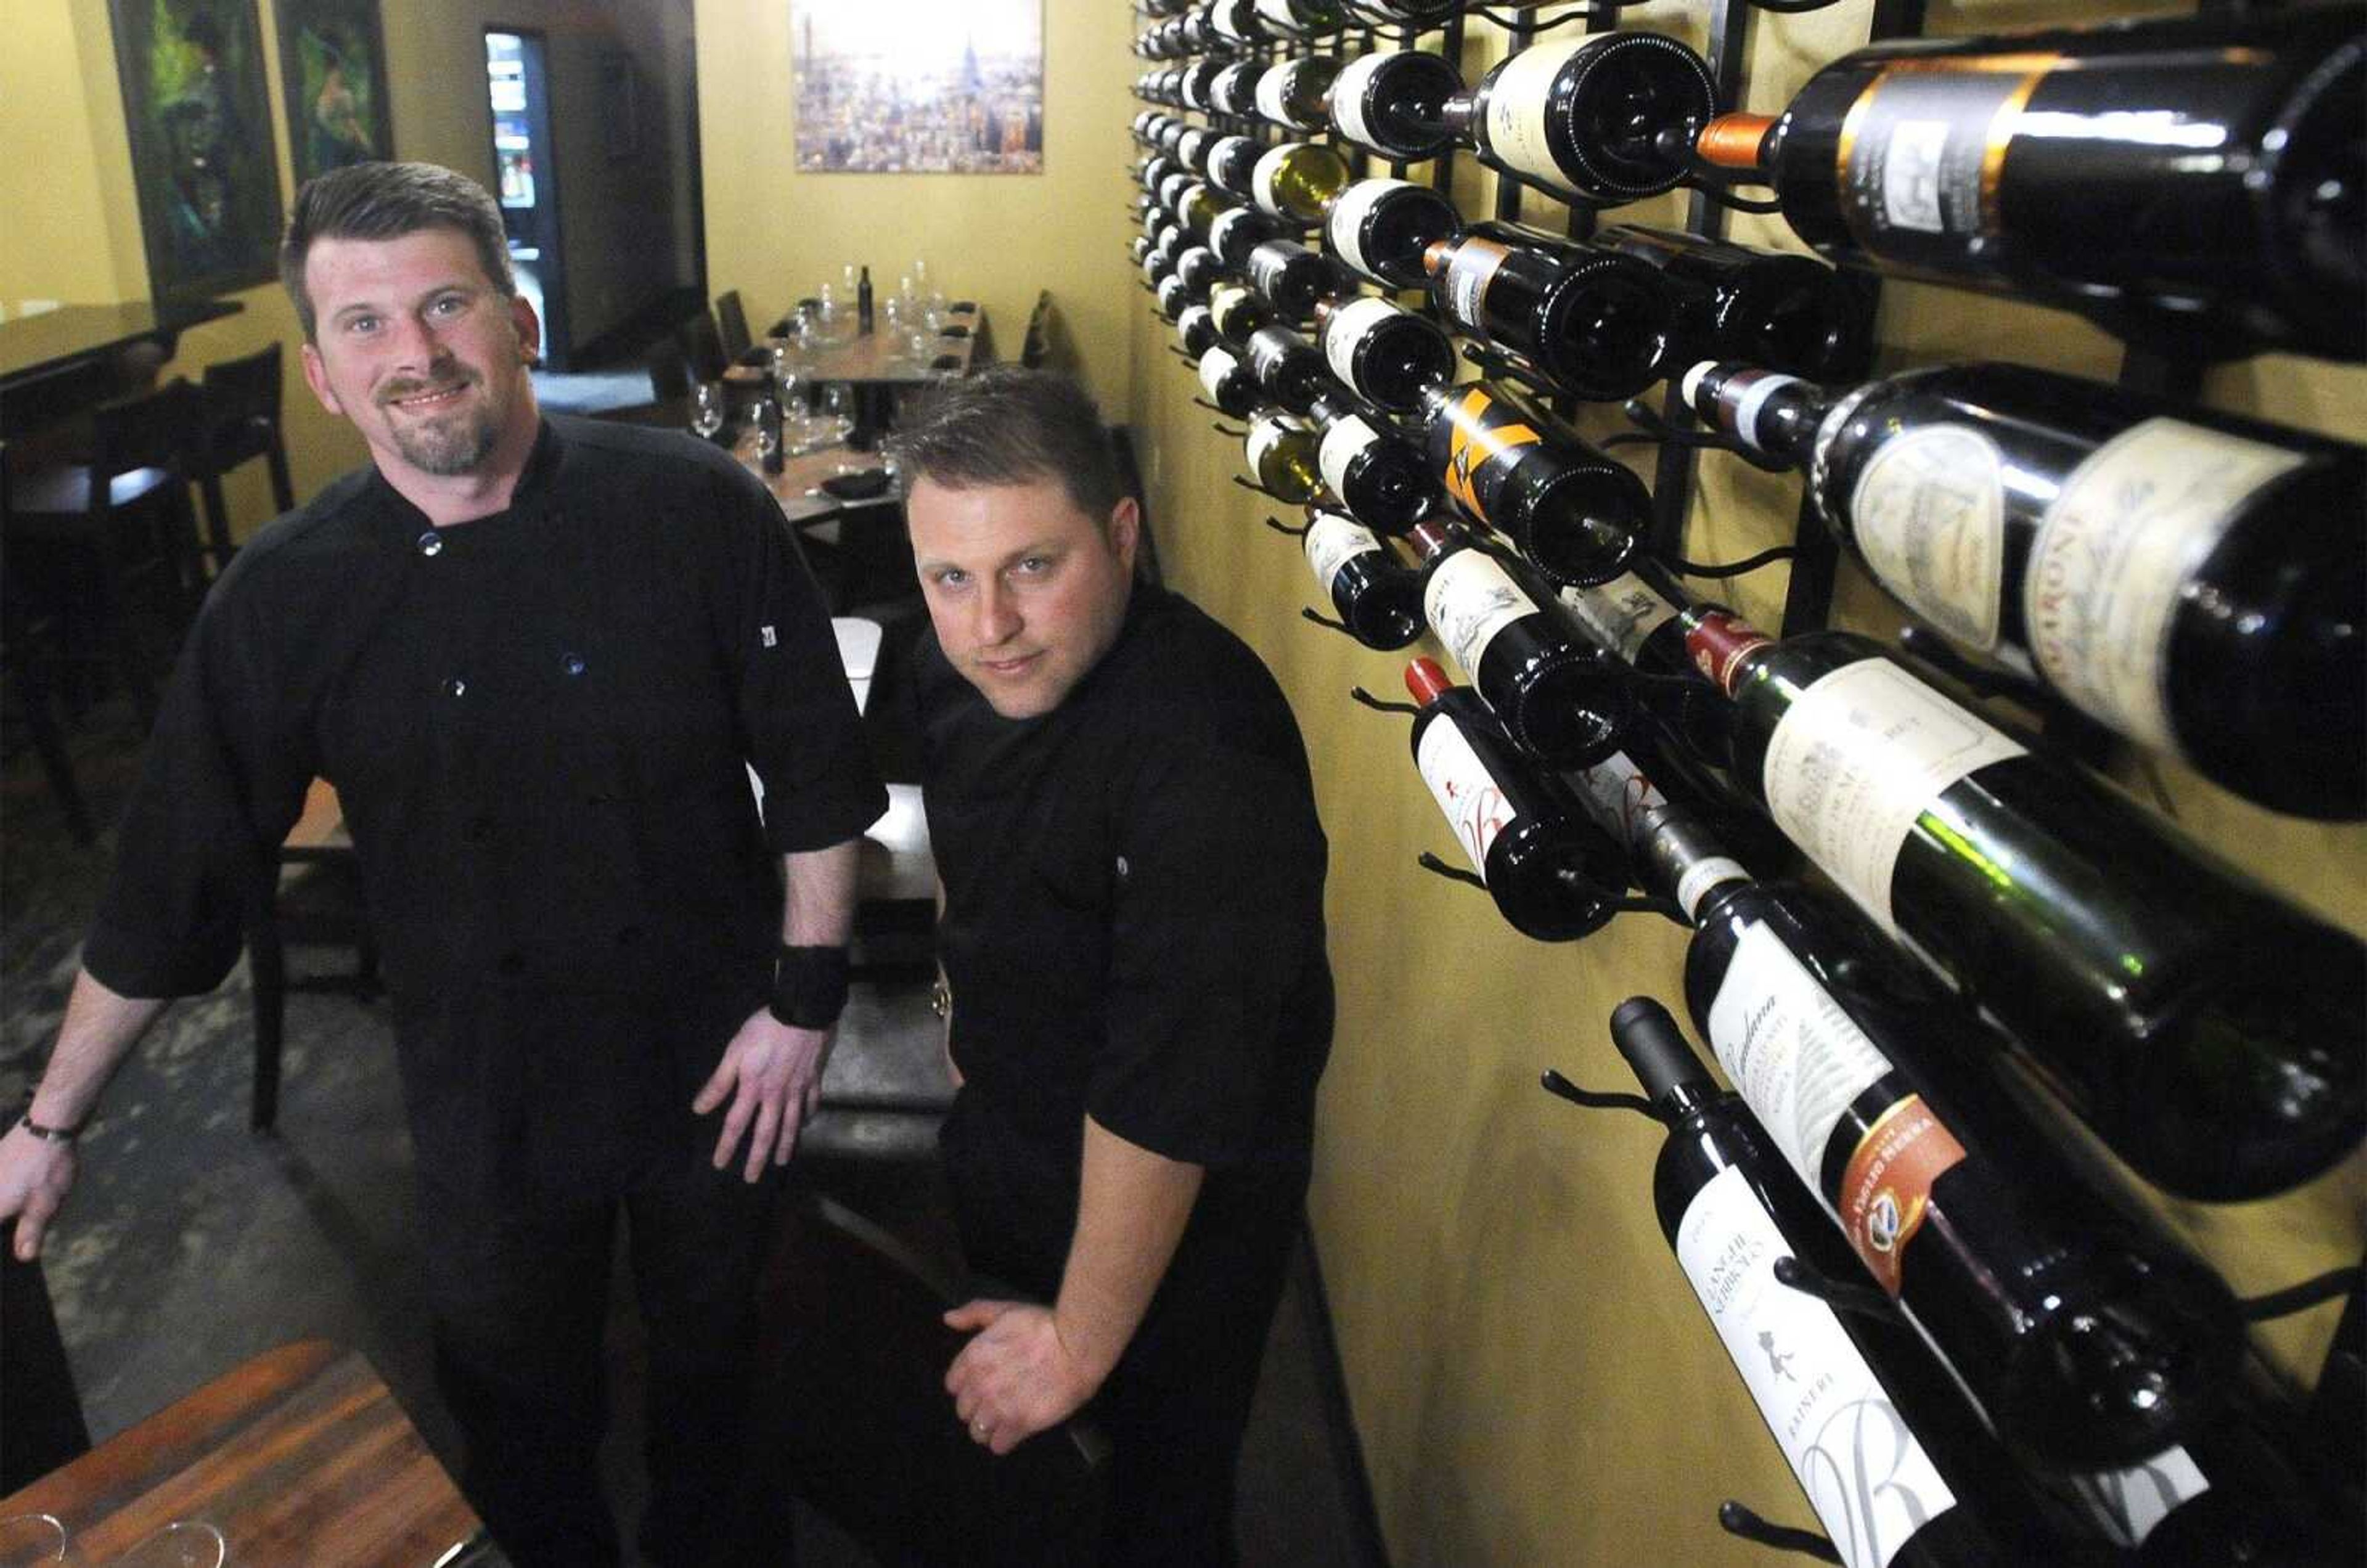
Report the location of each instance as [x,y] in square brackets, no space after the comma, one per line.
[1391,355]
[1597,323]
[1139,248]
[1159,264]
[1376,476]
[1192,147]
[2208,1032]
[1301,19]
[1293,277]
[1298,180]
[1872,1436]
[1380,228]
[1291,92]
[1574,512]
[1196,329]
[1230,382]
[1554,876]
[2085,1342]
[1585,114]
[1389,12]
[1561,700]
[1199,205]
[863,302]
[1232,165]
[1172,296]
[1198,271]
[1288,369]
[1193,85]
[1234,92]
[1237,312]
[1235,233]
[1390,102]
[1283,455]
[1238,23]
[2195,581]
[1379,601]
[1771,308]
[2192,181]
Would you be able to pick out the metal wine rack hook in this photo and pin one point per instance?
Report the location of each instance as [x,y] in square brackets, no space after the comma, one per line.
[1379,705]
[1554,1083]
[1736,1520]
[1279,526]
[1863,1301]
[1324,621]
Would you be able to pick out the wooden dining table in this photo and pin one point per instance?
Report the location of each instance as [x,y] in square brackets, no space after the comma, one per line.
[868,360]
[300,1458]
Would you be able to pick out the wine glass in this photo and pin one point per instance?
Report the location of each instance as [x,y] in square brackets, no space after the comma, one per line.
[34,1540]
[707,410]
[184,1543]
[768,439]
[925,288]
[838,409]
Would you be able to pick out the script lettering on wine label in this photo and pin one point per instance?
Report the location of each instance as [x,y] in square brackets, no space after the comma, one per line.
[1888,1184]
[1921,149]
[1870,1481]
[2112,555]
[1618,796]
[1858,759]
[1793,1054]
[1468,600]
[1928,514]
[1466,790]
[1517,103]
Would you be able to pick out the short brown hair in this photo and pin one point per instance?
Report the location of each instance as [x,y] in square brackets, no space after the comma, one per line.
[385,201]
[1008,427]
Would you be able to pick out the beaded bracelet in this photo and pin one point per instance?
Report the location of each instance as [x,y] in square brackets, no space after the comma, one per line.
[48,1134]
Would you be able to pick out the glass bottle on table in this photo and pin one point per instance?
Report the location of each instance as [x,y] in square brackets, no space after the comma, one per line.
[707,410]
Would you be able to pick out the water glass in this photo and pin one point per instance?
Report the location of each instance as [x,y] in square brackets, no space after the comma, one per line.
[184,1543]
[34,1540]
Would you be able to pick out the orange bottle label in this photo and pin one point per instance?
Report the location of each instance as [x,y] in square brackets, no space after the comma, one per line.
[1887,1186]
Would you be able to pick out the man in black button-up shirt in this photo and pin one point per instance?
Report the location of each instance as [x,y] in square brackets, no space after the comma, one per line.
[538,659]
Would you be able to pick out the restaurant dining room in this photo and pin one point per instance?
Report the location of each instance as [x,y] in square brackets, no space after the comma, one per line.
[690,874]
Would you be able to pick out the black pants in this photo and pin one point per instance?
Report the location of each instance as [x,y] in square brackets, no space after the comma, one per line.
[1176,1405]
[520,1298]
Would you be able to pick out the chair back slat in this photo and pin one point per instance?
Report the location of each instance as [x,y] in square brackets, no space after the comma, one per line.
[150,432]
[241,409]
[731,320]
[703,347]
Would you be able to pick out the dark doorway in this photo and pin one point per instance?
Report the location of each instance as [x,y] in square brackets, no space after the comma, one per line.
[528,178]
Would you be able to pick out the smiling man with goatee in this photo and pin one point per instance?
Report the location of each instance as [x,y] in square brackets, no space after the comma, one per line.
[537,656]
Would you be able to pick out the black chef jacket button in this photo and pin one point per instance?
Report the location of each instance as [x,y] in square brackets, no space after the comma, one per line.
[574,663]
[479,830]
[511,963]
[431,543]
[629,936]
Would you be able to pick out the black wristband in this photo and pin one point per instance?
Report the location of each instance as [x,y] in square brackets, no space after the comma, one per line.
[809,986]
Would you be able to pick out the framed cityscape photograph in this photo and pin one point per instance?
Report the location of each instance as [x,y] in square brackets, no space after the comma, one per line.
[199,120]
[919,86]
[332,66]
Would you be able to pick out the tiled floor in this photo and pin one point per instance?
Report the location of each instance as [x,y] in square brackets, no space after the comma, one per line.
[191,1244]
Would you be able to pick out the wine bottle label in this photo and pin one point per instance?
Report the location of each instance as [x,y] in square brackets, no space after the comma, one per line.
[1468,600]
[1348,96]
[1332,541]
[1928,514]
[1620,614]
[1345,329]
[1187,321]
[1857,759]
[1466,790]
[1799,1059]
[1343,227]
[1266,433]
[1482,429]
[1516,120]
[1221,230]
[1468,272]
[2114,553]
[2126,1505]
[1717,642]
[1919,166]
[1278,13]
[1215,366]
[1347,440]
[1868,1479]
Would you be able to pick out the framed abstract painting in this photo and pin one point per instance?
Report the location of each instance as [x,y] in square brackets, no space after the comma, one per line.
[200,120]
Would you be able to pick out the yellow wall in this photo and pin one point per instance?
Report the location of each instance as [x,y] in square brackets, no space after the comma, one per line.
[775,234]
[1531,1377]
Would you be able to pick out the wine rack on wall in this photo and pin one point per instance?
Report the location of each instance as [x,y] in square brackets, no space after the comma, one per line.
[2302,1445]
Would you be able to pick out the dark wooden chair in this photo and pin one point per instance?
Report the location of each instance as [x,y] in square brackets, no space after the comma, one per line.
[239,423]
[732,328]
[702,346]
[1037,345]
[669,370]
[850,1414]
[314,899]
[31,652]
[111,545]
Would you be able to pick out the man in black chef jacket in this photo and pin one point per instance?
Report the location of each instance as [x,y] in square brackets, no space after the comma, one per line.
[532,655]
[1132,940]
